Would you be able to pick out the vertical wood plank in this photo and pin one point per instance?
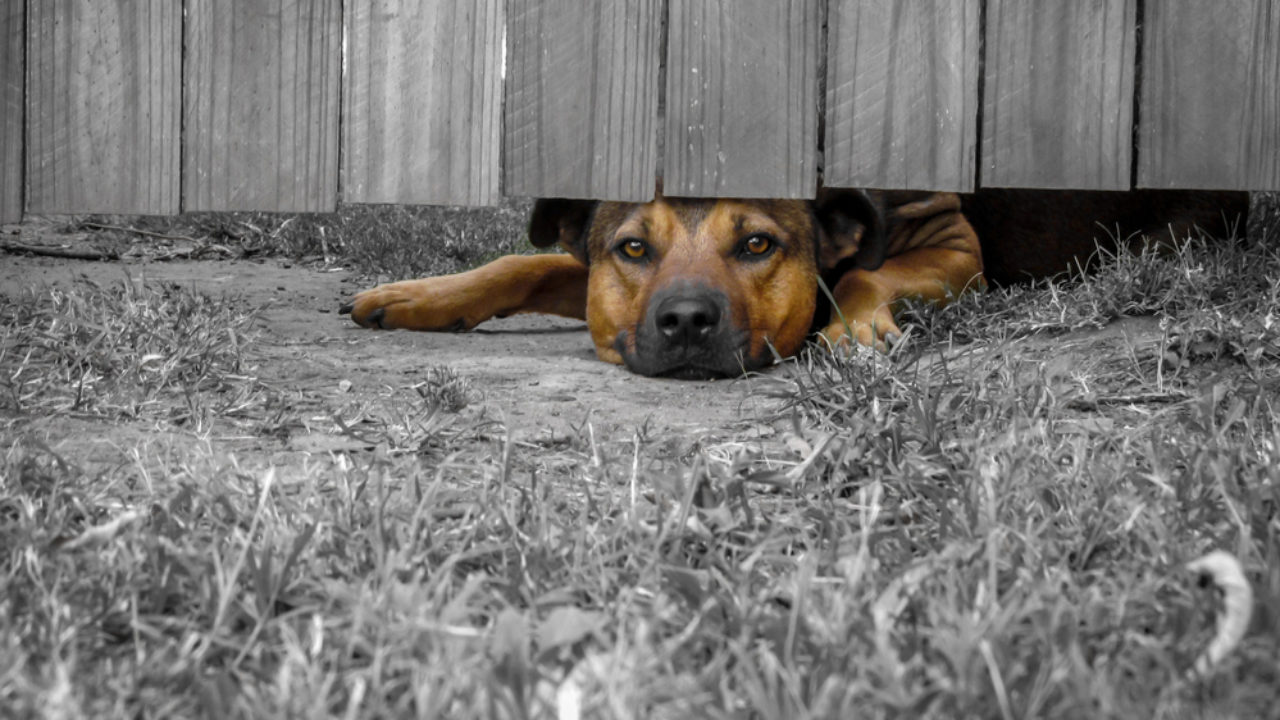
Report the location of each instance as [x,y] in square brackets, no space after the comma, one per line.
[12,18]
[102,109]
[261,83]
[1210,115]
[742,110]
[582,98]
[1058,94]
[423,112]
[902,94]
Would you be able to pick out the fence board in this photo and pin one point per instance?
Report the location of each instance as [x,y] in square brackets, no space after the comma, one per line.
[902,89]
[11,115]
[742,90]
[1058,94]
[582,98]
[423,113]
[1210,114]
[102,106]
[261,86]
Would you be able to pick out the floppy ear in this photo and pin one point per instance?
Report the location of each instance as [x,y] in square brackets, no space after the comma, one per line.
[853,226]
[556,220]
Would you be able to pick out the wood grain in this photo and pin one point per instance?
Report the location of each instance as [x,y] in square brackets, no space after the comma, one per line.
[261,82]
[1210,114]
[742,105]
[423,101]
[12,29]
[102,109]
[902,94]
[1058,94]
[582,98]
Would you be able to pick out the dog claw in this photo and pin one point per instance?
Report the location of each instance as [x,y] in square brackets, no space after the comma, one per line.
[346,308]
[375,318]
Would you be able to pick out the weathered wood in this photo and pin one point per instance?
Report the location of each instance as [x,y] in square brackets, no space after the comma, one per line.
[1058,94]
[261,84]
[423,111]
[1210,115]
[102,109]
[902,89]
[582,98]
[12,39]
[742,109]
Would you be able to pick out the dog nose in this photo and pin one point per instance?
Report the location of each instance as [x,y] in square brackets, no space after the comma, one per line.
[687,320]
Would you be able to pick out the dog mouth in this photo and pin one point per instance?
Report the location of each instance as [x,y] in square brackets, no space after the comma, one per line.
[729,360]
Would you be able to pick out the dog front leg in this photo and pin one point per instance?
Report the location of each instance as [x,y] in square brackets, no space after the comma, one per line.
[865,298]
[554,284]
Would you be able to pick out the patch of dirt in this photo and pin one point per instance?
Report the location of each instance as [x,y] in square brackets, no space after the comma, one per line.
[538,376]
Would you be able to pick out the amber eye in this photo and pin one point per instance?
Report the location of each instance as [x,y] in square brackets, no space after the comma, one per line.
[757,245]
[633,249]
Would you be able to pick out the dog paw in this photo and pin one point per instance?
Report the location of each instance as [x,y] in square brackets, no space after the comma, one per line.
[877,330]
[407,305]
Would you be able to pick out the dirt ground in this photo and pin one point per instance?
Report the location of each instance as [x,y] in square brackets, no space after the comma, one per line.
[538,376]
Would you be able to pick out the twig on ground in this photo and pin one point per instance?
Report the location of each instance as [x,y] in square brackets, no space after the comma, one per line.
[58,251]
[194,253]
[1139,399]
[136,231]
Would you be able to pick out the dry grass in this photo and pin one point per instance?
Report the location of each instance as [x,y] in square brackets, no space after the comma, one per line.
[390,241]
[992,521]
[124,350]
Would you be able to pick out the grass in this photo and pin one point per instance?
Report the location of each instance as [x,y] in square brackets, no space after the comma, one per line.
[124,350]
[991,521]
[394,242]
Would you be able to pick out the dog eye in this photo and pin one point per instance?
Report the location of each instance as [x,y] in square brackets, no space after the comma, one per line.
[633,249]
[757,245]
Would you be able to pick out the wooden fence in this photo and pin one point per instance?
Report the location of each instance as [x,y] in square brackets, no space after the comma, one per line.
[161,106]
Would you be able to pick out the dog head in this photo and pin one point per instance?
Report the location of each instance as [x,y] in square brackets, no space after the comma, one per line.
[702,288]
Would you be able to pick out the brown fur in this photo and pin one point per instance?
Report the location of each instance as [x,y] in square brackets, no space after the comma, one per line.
[698,303]
[932,254]
[771,300]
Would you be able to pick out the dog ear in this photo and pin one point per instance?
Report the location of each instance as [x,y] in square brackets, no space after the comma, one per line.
[853,226]
[556,220]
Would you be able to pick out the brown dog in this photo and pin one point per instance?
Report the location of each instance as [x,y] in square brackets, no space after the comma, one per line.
[697,288]
[713,287]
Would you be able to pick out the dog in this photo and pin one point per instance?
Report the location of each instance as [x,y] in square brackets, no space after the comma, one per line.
[700,288]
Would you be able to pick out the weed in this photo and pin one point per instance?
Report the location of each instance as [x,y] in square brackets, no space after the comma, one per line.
[419,420]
